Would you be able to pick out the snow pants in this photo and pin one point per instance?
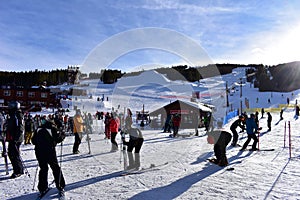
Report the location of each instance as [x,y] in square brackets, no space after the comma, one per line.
[251,136]
[137,145]
[49,158]
[77,142]
[220,148]
[15,157]
[235,136]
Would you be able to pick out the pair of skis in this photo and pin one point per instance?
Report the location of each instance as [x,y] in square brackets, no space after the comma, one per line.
[152,167]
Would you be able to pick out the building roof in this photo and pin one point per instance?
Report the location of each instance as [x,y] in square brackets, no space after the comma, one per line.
[183,105]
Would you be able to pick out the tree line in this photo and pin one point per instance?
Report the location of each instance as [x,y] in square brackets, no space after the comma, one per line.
[281,78]
[32,78]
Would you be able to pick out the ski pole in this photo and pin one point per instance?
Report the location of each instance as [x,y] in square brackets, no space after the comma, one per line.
[60,163]
[35,175]
[22,161]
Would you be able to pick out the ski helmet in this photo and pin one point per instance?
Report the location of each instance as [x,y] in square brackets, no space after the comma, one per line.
[14,105]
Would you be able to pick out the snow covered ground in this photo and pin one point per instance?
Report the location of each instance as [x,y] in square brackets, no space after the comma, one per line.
[184,172]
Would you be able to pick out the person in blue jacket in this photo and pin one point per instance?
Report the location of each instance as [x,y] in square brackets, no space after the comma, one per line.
[251,128]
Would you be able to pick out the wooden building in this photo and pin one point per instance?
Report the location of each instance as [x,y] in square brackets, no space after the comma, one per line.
[27,97]
[191,113]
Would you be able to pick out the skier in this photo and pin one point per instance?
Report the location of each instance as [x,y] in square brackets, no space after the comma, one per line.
[107,126]
[77,130]
[262,112]
[29,128]
[220,139]
[14,136]
[45,139]
[167,126]
[269,120]
[128,119]
[233,127]
[114,128]
[297,112]
[250,127]
[136,141]
[281,113]
[176,119]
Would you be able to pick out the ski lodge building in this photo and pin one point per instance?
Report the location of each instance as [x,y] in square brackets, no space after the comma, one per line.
[190,112]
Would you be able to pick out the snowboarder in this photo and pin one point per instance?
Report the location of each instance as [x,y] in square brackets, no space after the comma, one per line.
[14,136]
[250,127]
[77,130]
[269,120]
[114,128]
[45,139]
[233,127]
[220,139]
[136,141]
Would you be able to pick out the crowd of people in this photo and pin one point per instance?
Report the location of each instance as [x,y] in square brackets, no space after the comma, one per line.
[46,131]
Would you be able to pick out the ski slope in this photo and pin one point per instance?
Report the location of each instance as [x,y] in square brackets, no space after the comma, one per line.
[187,174]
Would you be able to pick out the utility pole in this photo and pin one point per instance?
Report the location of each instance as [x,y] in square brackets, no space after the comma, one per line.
[227,101]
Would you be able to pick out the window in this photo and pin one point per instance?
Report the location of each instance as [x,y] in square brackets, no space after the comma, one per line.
[44,95]
[31,94]
[7,93]
[19,93]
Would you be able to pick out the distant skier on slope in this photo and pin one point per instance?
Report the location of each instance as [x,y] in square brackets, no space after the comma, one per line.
[269,120]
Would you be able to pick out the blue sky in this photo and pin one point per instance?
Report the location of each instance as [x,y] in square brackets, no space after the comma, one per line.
[53,34]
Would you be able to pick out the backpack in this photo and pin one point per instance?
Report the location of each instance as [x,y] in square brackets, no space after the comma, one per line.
[15,127]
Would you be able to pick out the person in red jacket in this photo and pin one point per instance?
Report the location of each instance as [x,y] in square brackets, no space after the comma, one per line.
[176,123]
[114,128]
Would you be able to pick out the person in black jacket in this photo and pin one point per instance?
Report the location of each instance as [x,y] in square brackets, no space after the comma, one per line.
[15,137]
[269,120]
[220,139]
[233,127]
[45,138]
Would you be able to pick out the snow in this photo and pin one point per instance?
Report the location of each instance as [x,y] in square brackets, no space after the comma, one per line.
[256,175]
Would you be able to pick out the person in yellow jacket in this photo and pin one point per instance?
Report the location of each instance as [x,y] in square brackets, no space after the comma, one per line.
[77,130]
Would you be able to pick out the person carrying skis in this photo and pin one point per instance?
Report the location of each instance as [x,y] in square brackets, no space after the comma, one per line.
[114,128]
[15,137]
[78,127]
[251,128]
[220,139]
[234,125]
[136,141]
[45,138]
